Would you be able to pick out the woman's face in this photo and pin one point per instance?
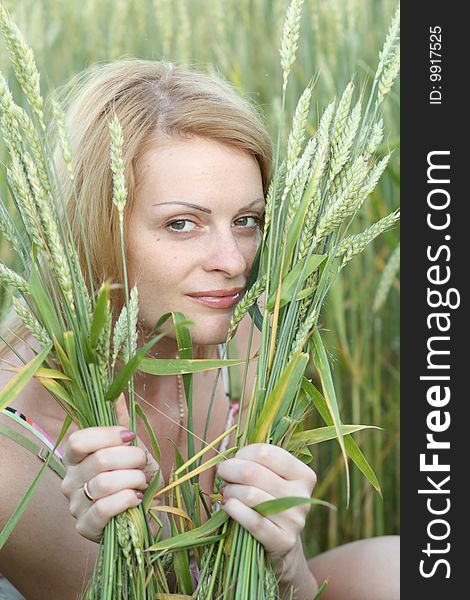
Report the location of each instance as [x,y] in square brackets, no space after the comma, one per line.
[194,230]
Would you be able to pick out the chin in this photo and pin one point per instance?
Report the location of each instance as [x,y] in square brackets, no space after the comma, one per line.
[209,332]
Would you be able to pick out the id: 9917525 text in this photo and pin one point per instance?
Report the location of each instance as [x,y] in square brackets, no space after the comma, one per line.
[435,64]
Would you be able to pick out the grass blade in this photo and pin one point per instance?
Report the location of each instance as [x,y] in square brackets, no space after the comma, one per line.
[279,399]
[311,437]
[272,507]
[21,379]
[323,367]
[352,448]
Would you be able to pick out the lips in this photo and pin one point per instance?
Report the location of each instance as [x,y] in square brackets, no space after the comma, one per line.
[217,298]
[216,293]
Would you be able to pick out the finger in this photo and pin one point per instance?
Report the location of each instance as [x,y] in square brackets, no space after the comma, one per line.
[250,473]
[152,468]
[109,459]
[83,442]
[151,465]
[265,531]
[111,482]
[122,413]
[289,519]
[278,460]
[92,523]
[248,494]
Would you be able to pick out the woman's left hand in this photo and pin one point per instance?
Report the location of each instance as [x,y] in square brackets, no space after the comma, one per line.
[261,472]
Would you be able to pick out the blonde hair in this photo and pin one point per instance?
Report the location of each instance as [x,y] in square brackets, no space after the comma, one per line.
[150,99]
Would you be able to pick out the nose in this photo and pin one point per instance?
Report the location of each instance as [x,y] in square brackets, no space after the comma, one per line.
[225,253]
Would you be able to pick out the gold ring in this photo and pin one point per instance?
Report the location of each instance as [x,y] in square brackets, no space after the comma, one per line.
[87,492]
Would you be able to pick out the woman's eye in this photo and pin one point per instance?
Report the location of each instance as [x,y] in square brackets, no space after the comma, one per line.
[181,226]
[248,222]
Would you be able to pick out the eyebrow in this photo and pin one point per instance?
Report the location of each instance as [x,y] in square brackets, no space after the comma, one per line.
[203,208]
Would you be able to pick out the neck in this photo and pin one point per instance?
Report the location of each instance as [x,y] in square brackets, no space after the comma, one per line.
[167,347]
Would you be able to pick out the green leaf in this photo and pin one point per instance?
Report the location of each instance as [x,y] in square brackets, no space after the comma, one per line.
[58,390]
[123,377]
[322,434]
[165,318]
[152,437]
[321,589]
[352,448]
[180,366]
[183,337]
[152,489]
[46,373]
[298,221]
[278,401]
[304,455]
[292,279]
[256,315]
[188,543]
[44,305]
[254,310]
[186,487]
[192,537]
[100,314]
[323,367]
[272,507]
[22,378]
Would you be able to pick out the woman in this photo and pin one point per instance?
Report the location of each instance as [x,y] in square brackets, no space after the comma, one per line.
[198,164]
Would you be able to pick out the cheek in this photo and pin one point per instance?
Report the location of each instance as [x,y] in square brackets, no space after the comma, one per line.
[250,249]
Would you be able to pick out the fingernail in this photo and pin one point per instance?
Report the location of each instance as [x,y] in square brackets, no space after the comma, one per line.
[127,436]
[139,495]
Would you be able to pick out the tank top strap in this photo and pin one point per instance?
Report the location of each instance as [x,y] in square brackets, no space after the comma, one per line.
[34,428]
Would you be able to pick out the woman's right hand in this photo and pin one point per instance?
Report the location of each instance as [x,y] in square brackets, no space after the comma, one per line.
[115,474]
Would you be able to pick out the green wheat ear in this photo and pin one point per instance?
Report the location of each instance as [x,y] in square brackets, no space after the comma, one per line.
[30,322]
[24,65]
[117,166]
[9,278]
[242,307]
[290,38]
[355,244]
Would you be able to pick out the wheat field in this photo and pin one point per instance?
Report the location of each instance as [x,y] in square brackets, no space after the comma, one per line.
[239,39]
